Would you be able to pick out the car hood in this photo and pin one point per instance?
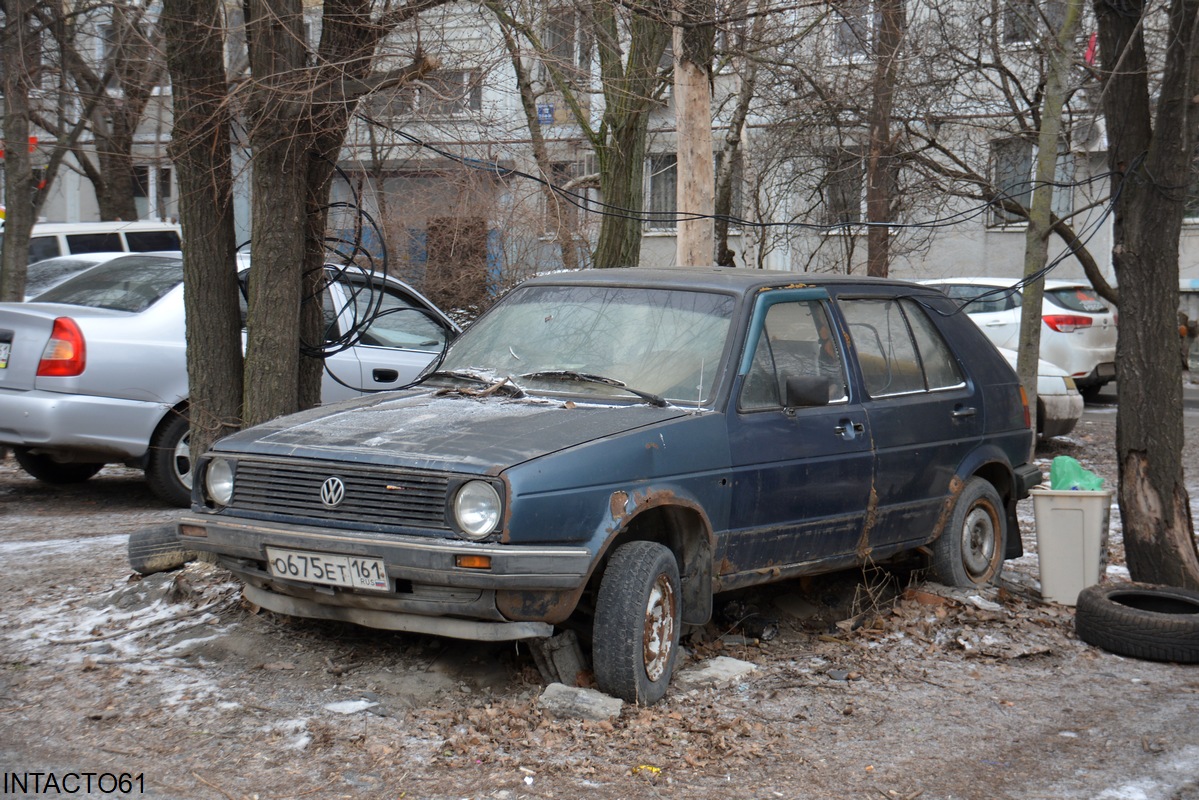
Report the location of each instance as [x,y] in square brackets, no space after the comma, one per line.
[427,430]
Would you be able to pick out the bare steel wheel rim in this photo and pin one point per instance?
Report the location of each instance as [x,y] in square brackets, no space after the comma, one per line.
[978,541]
[182,460]
[659,628]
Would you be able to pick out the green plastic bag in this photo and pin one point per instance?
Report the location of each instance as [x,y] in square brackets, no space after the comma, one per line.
[1067,474]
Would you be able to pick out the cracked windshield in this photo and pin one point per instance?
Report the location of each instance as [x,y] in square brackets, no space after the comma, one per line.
[661,345]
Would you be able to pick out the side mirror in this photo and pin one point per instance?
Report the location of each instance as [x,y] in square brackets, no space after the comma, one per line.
[807,390]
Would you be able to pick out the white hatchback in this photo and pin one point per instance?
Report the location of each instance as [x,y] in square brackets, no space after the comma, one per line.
[1079,332]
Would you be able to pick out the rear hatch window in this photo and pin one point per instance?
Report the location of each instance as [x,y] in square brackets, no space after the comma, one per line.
[1077,298]
[132,283]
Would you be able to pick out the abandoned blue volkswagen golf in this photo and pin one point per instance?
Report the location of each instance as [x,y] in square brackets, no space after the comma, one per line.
[606,450]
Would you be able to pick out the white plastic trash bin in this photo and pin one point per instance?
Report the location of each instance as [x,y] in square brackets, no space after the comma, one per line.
[1071,540]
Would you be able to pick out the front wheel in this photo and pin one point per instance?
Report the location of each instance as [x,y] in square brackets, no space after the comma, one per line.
[47,470]
[637,620]
[169,469]
[969,552]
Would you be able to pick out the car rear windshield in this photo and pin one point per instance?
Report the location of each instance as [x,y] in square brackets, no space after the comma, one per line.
[133,283]
[1077,298]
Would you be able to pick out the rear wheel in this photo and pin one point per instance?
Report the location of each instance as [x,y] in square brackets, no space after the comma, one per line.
[970,550]
[637,620]
[169,469]
[45,468]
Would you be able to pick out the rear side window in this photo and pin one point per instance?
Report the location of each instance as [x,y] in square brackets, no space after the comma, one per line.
[94,242]
[42,247]
[131,283]
[900,351]
[1077,298]
[982,299]
[148,241]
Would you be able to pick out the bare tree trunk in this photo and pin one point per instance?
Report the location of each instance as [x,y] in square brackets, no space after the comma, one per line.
[629,98]
[1036,238]
[19,57]
[1154,504]
[565,226]
[201,154]
[693,47]
[880,163]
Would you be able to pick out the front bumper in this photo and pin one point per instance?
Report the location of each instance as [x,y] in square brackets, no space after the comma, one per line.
[100,428]
[429,591]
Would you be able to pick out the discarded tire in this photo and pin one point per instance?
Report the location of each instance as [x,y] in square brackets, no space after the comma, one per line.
[1140,620]
[157,549]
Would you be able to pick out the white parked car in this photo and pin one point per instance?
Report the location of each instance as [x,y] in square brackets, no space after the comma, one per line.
[1078,332]
[1059,403]
[94,370]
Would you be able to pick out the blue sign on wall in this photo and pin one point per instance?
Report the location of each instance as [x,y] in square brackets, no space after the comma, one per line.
[545,113]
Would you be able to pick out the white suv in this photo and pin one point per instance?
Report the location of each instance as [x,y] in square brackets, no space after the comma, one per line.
[1079,333]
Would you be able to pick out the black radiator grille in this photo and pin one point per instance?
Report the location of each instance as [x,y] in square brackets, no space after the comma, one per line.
[373,495]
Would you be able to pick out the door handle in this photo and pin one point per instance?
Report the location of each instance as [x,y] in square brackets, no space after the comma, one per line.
[849,430]
[386,375]
[961,412]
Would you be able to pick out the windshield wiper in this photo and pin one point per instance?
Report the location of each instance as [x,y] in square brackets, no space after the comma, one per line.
[492,384]
[584,377]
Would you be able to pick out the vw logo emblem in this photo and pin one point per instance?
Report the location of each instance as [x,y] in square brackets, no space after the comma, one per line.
[333,491]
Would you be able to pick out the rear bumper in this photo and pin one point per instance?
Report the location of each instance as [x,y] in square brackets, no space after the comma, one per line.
[1058,413]
[1028,476]
[97,428]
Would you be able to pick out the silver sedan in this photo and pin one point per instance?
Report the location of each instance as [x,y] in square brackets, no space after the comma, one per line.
[94,371]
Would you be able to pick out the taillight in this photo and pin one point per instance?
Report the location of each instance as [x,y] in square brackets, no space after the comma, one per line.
[65,354]
[1066,323]
[1024,402]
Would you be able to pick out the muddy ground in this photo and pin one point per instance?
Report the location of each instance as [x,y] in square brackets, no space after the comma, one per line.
[176,683]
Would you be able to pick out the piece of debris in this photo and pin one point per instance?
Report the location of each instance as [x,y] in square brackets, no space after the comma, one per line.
[720,671]
[349,706]
[573,702]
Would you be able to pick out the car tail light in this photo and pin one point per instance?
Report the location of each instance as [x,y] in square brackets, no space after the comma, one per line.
[1024,402]
[65,354]
[1066,323]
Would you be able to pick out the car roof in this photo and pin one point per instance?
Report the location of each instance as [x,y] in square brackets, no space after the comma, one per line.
[44,228]
[1050,283]
[734,279]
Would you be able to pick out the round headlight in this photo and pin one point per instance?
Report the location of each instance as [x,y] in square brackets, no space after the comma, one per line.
[218,480]
[477,509]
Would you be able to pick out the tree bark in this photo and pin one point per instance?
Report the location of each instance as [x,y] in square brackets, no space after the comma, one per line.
[279,139]
[19,57]
[200,150]
[1143,151]
[693,45]
[1058,45]
[629,98]
[880,162]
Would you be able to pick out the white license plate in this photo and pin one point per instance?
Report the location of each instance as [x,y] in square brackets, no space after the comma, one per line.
[5,350]
[355,572]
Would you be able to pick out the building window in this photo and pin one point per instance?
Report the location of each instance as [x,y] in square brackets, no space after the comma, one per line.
[1023,20]
[853,28]
[443,93]
[662,206]
[1013,162]
[567,44]
[844,188]
[151,191]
